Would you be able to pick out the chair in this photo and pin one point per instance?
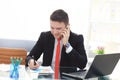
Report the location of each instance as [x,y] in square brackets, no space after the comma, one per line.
[6,53]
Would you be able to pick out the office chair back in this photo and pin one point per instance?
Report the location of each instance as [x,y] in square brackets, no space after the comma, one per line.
[6,53]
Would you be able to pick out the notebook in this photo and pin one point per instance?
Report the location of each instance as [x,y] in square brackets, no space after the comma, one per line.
[102,65]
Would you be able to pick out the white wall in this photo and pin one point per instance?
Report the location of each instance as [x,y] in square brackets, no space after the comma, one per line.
[105,25]
[25,19]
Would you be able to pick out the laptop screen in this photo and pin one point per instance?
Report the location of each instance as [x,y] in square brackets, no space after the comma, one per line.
[103,65]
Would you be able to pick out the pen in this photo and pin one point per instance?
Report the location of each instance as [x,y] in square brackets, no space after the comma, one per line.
[34,60]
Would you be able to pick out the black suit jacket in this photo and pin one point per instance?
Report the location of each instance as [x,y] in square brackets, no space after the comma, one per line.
[69,62]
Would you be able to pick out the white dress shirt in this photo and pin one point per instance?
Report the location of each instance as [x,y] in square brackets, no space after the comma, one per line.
[68,50]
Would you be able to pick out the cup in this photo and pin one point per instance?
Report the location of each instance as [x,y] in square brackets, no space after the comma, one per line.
[14,71]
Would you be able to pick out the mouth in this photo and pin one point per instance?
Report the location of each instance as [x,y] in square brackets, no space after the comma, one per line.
[57,36]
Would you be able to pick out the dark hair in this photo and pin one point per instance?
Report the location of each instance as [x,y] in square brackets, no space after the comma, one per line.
[60,16]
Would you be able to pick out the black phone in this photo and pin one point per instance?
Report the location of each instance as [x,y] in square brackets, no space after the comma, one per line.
[61,36]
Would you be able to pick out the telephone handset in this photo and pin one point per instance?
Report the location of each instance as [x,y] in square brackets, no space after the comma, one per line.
[61,36]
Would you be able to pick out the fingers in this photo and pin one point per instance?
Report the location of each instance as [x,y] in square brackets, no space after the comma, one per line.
[65,33]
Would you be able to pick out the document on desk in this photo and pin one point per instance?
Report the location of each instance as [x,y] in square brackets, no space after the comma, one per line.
[5,78]
[43,70]
[4,67]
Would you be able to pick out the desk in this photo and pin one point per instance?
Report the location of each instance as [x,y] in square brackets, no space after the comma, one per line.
[4,74]
[26,75]
[116,73]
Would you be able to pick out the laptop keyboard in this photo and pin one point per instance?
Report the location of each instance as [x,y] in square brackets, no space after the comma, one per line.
[76,75]
[79,73]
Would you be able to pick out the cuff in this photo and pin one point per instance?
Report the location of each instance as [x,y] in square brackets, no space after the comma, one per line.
[69,49]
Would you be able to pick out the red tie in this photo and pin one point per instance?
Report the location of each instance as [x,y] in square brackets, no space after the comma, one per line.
[57,60]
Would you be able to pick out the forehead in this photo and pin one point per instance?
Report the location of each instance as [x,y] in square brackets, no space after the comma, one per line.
[57,24]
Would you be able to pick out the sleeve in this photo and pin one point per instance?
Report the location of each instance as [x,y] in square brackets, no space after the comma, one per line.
[37,49]
[78,54]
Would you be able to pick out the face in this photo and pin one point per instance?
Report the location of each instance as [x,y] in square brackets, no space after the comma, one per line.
[57,28]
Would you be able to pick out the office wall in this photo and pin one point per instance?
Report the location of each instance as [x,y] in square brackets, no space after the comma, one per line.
[105,25]
[97,20]
[26,19]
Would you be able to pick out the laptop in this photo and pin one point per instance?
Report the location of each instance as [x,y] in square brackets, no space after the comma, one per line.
[102,65]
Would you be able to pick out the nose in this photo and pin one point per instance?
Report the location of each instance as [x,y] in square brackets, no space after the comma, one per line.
[55,31]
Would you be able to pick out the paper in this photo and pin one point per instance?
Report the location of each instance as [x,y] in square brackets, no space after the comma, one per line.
[4,67]
[43,70]
[5,78]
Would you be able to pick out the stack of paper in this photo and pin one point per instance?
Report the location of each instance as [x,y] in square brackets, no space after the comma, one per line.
[43,70]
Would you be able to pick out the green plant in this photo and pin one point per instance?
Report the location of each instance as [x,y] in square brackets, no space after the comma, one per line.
[100,50]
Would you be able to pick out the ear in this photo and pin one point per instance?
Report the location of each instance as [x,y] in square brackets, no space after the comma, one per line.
[67,26]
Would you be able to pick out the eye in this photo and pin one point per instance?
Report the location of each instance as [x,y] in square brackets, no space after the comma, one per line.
[59,28]
[52,28]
